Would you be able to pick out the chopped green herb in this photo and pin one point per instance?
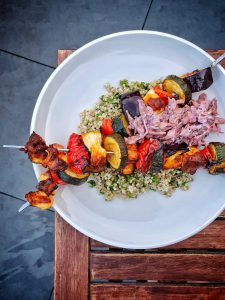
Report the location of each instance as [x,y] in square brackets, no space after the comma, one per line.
[92,183]
[124,83]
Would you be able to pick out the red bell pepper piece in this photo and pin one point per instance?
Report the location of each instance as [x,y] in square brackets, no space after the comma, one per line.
[56,178]
[145,151]
[162,94]
[206,153]
[107,127]
[78,156]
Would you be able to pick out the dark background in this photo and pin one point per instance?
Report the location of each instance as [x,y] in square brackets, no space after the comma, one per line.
[30,34]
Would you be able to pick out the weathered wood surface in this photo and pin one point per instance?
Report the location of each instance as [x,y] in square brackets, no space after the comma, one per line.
[158,266]
[155,292]
[72,262]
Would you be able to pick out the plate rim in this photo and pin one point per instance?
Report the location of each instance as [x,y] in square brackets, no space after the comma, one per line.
[32,128]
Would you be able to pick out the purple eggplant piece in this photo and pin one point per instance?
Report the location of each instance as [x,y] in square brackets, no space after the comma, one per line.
[172,149]
[130,103]
[200,80]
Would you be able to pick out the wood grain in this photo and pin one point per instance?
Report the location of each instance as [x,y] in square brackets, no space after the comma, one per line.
[63,54]
[155,292]
[212,237]
[148,266]
[71,262]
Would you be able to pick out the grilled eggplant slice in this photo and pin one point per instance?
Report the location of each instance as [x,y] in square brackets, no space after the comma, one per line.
[177,85]
[116,144]
[93,141]
[120,125]
[39,199]
[199,80]
[128,169]
[217,151]
[130,103]
[70,177]
[157,160]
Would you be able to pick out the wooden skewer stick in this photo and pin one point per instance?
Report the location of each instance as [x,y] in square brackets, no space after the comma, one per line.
[59,149]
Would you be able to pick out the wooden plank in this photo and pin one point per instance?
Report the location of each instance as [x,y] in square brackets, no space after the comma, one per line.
[212,237]
[71,262]
[148,266]
[63,54]
[155,292]
[71,252]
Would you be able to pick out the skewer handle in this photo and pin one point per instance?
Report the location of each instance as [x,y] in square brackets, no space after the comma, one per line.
[22,147]
[13,146]
[25,205]
[218,60]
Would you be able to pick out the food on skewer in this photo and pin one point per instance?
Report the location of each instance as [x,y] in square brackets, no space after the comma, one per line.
[158,128]
[93,142]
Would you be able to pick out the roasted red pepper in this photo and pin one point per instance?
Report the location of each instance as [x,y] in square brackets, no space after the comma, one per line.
[78,156]
[206,153]
[56,178]
[162,94]
[145,151]
[107,127]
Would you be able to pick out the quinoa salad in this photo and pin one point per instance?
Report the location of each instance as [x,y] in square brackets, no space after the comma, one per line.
[110,182]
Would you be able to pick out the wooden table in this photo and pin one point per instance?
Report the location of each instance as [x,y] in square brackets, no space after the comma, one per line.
[87,269]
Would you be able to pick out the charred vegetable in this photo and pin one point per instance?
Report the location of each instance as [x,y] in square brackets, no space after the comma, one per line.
[172,149]
[78,156]
[217,151]
[146,151]
[120,125]
[132,151]
[70,177]
[173,161]
[93,141]
[107,127]
[174,84]
[116,144]
[217,168]
[39,199]
[199,80]
[128,169]
[157,160]
[130,103]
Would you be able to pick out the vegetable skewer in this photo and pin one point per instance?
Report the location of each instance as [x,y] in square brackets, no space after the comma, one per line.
[59,149]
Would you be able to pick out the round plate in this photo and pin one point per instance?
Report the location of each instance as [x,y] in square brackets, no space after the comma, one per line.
[151,220]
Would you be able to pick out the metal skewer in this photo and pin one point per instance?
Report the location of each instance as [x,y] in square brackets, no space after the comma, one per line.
[217,61]
[59,149]
[25,205]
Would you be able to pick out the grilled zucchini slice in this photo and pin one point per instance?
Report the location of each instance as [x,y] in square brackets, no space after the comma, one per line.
[217,150]
[120,125]
[70,177]
[157,160]
[217,168]
[116,144]
[177,85]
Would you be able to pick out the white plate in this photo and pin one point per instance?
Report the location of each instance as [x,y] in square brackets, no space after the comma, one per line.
[151,220]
